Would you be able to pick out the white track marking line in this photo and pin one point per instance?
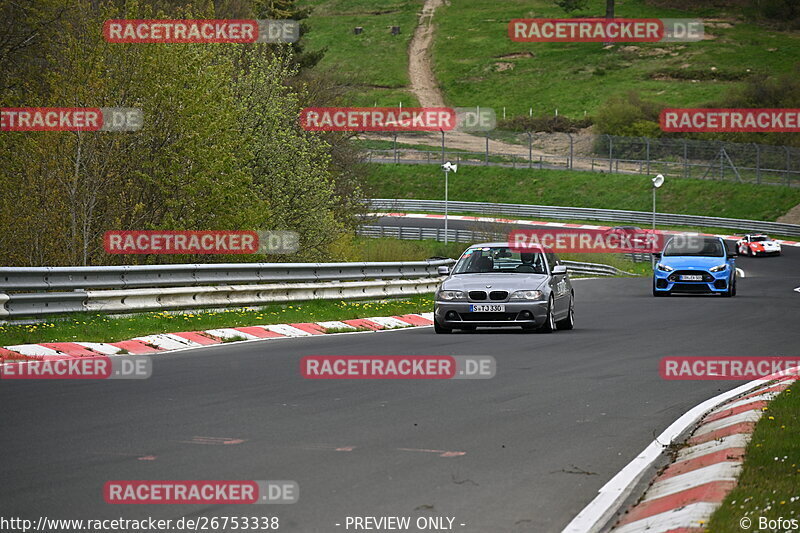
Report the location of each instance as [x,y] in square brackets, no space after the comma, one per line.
[230,333]
[738,440]
[725,471]
[100,347]
[694,515]
[32,349]
[746,416]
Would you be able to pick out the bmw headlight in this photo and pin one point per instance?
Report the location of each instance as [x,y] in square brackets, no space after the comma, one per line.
[664,268]
[527,295]
[451,295]
[718,268]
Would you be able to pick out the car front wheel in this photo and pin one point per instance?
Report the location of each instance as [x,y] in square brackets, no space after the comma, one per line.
[550,322]
[568,322]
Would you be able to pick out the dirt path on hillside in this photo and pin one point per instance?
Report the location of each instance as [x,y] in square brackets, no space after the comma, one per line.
[792,216]
[426,88]
[420,72]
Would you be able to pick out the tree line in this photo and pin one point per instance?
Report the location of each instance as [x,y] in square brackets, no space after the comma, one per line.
[220,148]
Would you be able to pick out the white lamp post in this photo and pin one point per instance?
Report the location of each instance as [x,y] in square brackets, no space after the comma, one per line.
[658,181]
[447,167]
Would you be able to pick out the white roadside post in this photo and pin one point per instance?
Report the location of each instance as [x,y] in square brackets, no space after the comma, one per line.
[658,181]
[447,167]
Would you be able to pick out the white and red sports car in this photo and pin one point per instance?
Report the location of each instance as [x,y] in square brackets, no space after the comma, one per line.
[758,244]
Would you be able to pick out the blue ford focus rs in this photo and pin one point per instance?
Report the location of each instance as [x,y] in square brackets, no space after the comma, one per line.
[694,264]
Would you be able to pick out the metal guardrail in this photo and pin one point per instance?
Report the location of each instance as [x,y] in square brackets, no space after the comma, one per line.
[466,236]
[183,275]
[156,287]
[583,213]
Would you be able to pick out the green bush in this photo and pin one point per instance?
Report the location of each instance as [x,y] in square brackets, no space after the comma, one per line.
[624,115]
[784,12]
[548,124]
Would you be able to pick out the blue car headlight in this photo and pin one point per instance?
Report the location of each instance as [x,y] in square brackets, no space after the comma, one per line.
[527,295]
[718,268]
[451,296]
[664,268]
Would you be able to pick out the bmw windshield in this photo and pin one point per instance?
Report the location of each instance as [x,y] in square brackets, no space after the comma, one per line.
[499,260]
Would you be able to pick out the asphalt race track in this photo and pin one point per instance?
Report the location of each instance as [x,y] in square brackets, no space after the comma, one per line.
[564,413]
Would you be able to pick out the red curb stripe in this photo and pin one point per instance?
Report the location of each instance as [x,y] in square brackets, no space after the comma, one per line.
[258,331]
[714,491]
[71,348]
[725,413]
[15,356]
[309,327]
[775,388]
[416,320]
[726,455]
[363,323]
[198,337]
[741,427]
[136,347]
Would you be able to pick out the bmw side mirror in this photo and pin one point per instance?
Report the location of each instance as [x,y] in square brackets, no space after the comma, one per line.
[559,269]
[443,270]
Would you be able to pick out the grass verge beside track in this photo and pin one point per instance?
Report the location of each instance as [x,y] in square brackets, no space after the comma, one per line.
[583,189]
[103,328]
[769,486]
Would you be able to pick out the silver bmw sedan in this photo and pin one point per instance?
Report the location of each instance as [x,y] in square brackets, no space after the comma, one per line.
[493,285]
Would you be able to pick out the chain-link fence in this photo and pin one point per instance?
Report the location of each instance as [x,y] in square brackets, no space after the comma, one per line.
[676,158]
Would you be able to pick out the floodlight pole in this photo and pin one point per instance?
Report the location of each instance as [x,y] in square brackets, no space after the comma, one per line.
[446,176]
[657,182]
[654,209]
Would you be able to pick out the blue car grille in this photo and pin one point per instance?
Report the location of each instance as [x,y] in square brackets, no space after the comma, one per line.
[676,276]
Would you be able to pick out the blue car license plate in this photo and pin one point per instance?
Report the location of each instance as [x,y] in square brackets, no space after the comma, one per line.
[692,277]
